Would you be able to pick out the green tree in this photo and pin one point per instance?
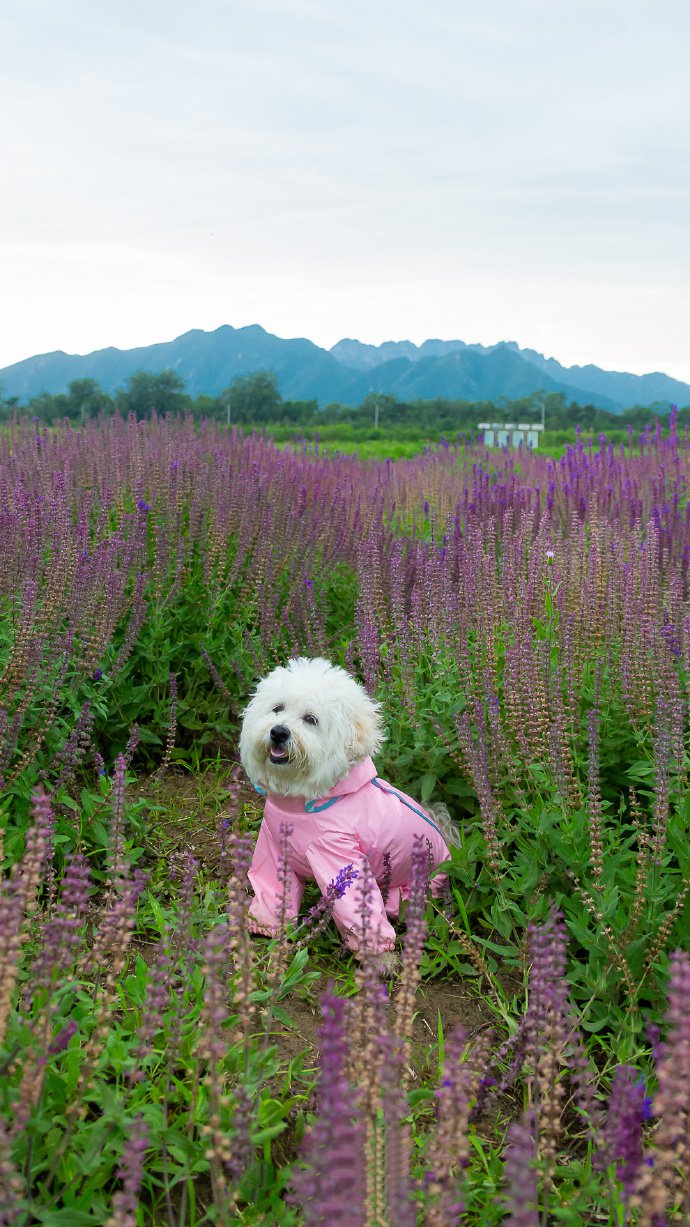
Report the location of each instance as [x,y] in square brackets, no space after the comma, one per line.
[251,398]
[9,405]
[87,399]
[146,393]
[49,408]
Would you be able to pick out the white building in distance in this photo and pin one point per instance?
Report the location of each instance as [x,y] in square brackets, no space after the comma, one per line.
[511,434]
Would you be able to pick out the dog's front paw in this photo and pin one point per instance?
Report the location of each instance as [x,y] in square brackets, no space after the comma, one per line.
[386,964]
[259,930]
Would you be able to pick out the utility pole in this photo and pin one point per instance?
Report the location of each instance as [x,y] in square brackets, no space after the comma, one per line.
[224,399]
[373,398]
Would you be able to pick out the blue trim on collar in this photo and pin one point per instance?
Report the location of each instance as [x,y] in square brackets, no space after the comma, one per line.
[312,808]
[403,800]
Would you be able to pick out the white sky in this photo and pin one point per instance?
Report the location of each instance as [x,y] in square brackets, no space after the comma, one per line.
[382,169]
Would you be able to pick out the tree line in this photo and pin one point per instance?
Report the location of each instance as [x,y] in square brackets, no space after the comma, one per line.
[255,400]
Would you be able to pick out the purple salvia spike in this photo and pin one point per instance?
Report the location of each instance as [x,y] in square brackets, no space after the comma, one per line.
[520,1177]
[329,1189]
[131,1171]
[629,1107]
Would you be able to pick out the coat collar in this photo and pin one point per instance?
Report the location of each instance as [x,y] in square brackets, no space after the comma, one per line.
[360,774]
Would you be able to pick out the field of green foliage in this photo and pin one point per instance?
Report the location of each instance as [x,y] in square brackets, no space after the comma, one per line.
[525,622]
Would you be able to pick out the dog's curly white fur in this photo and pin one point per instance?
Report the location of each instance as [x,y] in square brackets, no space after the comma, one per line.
[331,721]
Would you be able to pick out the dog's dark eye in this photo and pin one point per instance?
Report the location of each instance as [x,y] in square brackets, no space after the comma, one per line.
[309,719]
[280,707]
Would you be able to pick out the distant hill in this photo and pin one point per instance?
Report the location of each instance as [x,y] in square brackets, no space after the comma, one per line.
[624,388]
[209,361]
[618,388]
[365,357]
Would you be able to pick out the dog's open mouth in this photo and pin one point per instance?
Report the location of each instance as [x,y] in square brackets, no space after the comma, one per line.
[278,755]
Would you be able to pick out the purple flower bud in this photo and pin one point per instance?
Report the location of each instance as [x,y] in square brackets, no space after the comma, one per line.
[520,1176]
[63,1037]
[330,1188]
[628,1109]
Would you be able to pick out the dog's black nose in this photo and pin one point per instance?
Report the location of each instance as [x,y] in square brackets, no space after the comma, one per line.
[279,734]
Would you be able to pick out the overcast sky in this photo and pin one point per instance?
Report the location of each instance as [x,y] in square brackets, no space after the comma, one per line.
[477,169]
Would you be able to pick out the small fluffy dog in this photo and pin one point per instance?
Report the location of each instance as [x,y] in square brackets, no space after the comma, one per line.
[307,738]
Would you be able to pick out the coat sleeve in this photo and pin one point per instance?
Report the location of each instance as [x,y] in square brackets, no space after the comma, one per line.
[327,856]
[265,877]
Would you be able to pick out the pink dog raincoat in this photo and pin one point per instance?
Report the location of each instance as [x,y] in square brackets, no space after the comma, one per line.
[361,817]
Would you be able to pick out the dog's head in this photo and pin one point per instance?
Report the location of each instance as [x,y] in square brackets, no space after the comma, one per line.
[306,725]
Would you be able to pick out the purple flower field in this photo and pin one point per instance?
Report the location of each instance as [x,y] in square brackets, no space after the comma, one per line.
[525,622]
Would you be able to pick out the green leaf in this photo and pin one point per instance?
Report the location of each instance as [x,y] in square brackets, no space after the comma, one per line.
[67,1217]
[423,1095]
[149,738]
[427,785]
[267,1135]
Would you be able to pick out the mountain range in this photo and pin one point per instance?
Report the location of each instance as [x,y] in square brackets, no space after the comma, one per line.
[210,361]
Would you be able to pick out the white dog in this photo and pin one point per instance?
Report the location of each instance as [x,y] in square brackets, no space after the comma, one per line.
[306,743]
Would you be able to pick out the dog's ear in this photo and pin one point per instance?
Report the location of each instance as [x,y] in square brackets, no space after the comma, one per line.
[367,731]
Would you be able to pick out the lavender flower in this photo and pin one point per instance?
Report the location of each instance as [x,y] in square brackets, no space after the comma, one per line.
[75,747]
[413,945]
[319,915]
[449,1150]
[117,867]
[238,942]
[131,1172]
[519,1174]
[628,1108]
[61,1040]
[329,1187]
[19,899]
[159,984]
[217,678]
[172,725]
[63,933]
[11,1183]
[364,889]
[664,1175]
[595,808]
[552,1041]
